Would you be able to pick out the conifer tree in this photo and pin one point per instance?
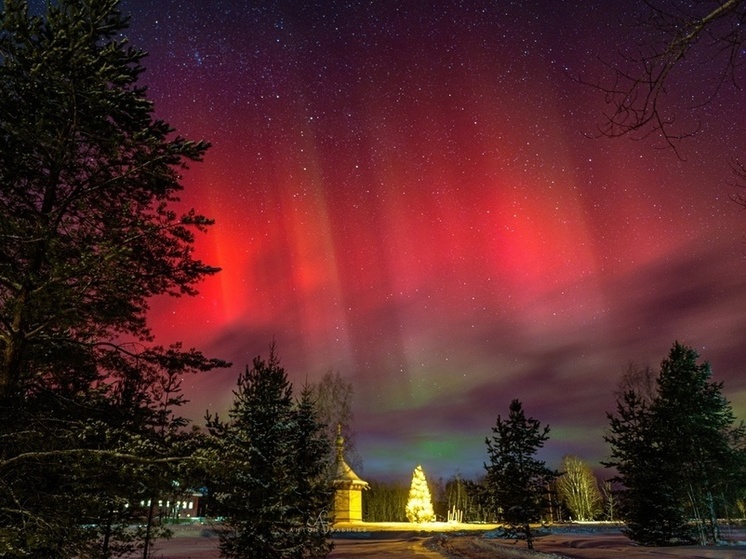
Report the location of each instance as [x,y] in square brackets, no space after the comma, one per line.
[652,513]
[87,229]
[419,504]
[314,493]
[88,233]
[267,475]
[675,453]
[516,481]
[700,435]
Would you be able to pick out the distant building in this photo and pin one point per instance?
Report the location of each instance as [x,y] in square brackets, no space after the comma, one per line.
[185,507]
[348,488]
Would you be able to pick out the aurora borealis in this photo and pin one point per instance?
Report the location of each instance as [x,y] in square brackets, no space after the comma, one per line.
[406,193]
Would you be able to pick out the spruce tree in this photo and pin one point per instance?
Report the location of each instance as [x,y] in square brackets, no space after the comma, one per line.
[267,475]
[314,494]
[700,435]
[649,503]
[517,482]
[676,454]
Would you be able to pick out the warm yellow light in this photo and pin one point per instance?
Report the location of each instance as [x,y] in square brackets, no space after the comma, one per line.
[419,505]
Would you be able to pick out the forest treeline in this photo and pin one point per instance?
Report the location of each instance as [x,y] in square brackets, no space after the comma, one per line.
[676,467]
[91,441]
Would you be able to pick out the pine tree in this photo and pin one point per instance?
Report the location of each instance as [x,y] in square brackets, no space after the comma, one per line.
[87,229]
[516,481]
[88,233]
[267,476]
[76,467]
[419,503]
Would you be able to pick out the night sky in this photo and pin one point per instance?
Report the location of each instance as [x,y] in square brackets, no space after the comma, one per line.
[405,192]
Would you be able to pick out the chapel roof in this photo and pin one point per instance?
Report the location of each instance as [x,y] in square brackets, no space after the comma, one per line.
[344,475]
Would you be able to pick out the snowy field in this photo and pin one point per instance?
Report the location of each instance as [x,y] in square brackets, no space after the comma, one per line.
[466,541]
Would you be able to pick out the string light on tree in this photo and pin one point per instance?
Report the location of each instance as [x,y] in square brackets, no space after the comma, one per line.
[419,505]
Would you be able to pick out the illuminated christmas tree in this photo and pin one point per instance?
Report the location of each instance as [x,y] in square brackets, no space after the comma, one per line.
[419,505]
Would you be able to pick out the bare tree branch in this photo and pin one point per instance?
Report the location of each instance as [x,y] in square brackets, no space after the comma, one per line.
[637,97]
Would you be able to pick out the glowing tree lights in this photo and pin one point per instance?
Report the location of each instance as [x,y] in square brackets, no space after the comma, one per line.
[419,504]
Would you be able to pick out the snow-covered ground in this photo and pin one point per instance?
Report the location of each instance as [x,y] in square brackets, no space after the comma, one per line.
[585,541]
[467,541]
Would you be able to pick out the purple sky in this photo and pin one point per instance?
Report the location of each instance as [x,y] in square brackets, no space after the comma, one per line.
[405,194]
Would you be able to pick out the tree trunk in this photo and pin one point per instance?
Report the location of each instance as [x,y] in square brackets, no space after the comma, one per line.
[148,526]
[697,517]
[10,374]
[107,534]
[714,528]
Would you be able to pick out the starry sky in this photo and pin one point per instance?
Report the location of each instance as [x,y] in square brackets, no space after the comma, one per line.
[407,193]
